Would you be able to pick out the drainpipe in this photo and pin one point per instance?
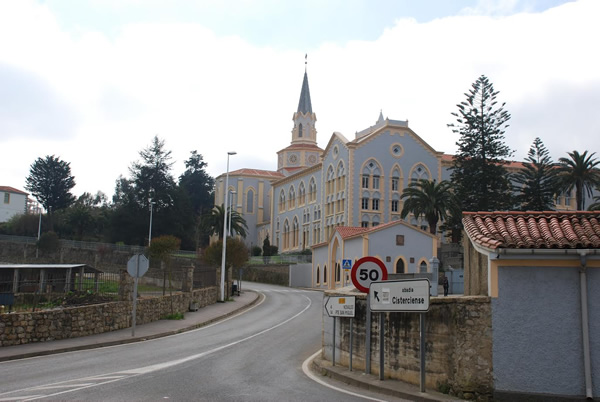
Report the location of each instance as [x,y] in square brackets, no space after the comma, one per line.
[585,329]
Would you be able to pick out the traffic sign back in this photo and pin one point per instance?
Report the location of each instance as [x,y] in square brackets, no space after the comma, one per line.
[138,265]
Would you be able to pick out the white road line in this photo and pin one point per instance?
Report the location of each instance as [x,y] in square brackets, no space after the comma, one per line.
[117,376]
[310,375]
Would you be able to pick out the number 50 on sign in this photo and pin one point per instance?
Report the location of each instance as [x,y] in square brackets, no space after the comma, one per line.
[367,270]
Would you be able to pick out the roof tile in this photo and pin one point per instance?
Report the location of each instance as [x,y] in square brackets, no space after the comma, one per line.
[533,229]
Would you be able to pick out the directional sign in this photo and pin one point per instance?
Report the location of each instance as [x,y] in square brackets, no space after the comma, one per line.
[137,265]
[340,306]
[367,270]
[411,295]
[346,264]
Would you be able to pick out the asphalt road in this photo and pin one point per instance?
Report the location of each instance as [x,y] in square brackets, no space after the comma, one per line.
[254,356]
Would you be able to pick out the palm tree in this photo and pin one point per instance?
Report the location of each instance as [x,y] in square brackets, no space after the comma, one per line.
[432,200]
[213,222]
[579,172]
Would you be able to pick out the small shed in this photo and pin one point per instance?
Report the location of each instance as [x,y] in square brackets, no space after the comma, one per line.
[46,278]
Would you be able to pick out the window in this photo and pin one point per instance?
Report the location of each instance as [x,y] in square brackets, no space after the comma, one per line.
[338,272]
[250,202]
[394,205]
[423,267]
[375,204]
[7,198]
[375,182]
[399,267]
[318,275]
[300,130]
[365,181]
[365,203]
[324,274]
[364,224]
[282,200]
[292,198]
[395,183]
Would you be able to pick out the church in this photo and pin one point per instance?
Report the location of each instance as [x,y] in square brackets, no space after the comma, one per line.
[351,188]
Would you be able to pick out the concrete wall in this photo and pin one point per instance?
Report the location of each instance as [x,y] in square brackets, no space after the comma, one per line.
[300,275]
[537,330]
[272,274]
[48,325]
[458,344]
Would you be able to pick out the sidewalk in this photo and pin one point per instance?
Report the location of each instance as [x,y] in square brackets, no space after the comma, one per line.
[156,329]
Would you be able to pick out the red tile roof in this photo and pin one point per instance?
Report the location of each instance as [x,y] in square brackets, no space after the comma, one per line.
[535,230]
[8,189]
[349,231]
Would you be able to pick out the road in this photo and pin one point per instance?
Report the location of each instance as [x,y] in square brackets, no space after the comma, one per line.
[254,356]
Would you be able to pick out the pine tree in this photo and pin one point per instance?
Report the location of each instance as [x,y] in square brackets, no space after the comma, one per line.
[537,182]
[481,180]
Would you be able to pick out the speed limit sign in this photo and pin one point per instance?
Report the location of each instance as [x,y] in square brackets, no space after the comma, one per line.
[367,270]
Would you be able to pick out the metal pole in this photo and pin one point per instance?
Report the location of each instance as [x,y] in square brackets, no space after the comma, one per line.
[37,247]
[233,193]
[226,190]
[150,230]
[422,331]
[333,344]
[368,337]
[351,344]
[381,346]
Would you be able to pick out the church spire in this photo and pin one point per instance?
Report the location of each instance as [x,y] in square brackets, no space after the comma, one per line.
[305,106]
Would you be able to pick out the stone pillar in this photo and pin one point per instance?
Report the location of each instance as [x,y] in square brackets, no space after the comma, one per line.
[125,286]
[188,280]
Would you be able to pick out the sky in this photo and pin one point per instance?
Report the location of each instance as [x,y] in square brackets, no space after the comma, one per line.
[93,81]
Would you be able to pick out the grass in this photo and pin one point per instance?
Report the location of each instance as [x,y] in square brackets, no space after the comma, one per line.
[175,316]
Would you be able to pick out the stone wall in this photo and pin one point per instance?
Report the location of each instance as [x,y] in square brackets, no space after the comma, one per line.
[458,344]
[476,270]
[72,322]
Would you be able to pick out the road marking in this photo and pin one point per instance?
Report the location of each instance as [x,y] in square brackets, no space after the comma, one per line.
[313,377]
[101,379]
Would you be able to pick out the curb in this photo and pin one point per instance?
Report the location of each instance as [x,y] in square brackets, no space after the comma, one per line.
[372,383]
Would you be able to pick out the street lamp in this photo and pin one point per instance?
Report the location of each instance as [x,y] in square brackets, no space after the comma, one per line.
[150,230]
[233,193]
[225,228]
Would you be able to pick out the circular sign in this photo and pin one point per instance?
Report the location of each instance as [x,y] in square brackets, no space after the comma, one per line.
[367,270]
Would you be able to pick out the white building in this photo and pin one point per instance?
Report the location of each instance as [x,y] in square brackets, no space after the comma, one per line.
[12,202]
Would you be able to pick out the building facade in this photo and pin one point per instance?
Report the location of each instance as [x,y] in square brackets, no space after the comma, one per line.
[12,202]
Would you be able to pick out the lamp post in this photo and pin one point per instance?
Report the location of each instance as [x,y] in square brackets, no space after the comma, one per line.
[150,230]
[226,189]
[233,193]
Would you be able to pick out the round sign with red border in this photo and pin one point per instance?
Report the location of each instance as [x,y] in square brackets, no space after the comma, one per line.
[367,270]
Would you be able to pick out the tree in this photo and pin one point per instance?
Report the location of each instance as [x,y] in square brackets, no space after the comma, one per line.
[579,171]
[213,222]
[478,173]
[236,253]
[537,182]
[50,182]
[197,183]
[151,177]
[430,199]
[161,248]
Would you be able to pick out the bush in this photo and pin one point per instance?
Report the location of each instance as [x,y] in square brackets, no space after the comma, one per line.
[256,251]
[49,242]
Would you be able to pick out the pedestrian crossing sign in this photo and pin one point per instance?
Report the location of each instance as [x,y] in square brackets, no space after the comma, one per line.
[346,264]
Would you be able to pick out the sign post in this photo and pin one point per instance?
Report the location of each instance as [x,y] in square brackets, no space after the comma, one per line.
[340,306]
[137,266]
[405,296]
[364,272]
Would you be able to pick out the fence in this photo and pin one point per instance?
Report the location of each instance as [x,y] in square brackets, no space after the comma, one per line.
[86,245]
[281,259]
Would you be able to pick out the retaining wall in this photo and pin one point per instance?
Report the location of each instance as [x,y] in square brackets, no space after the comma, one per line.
[458,344]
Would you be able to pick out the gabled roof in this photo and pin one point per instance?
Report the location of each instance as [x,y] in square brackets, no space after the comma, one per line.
[8,189]
[255,172]
[533,230]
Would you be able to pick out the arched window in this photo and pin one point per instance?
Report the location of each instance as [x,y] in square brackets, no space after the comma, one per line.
[295,233]
[282,200]
[324,274]
[299,130]
[423,267]
[250,202]
[318,275]
[301,194]
[312,190]
[286,234]
[400,266]
[419,173]
[338,272]
[292,198]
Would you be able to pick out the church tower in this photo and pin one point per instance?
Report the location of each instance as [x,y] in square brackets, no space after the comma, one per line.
[303,150]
